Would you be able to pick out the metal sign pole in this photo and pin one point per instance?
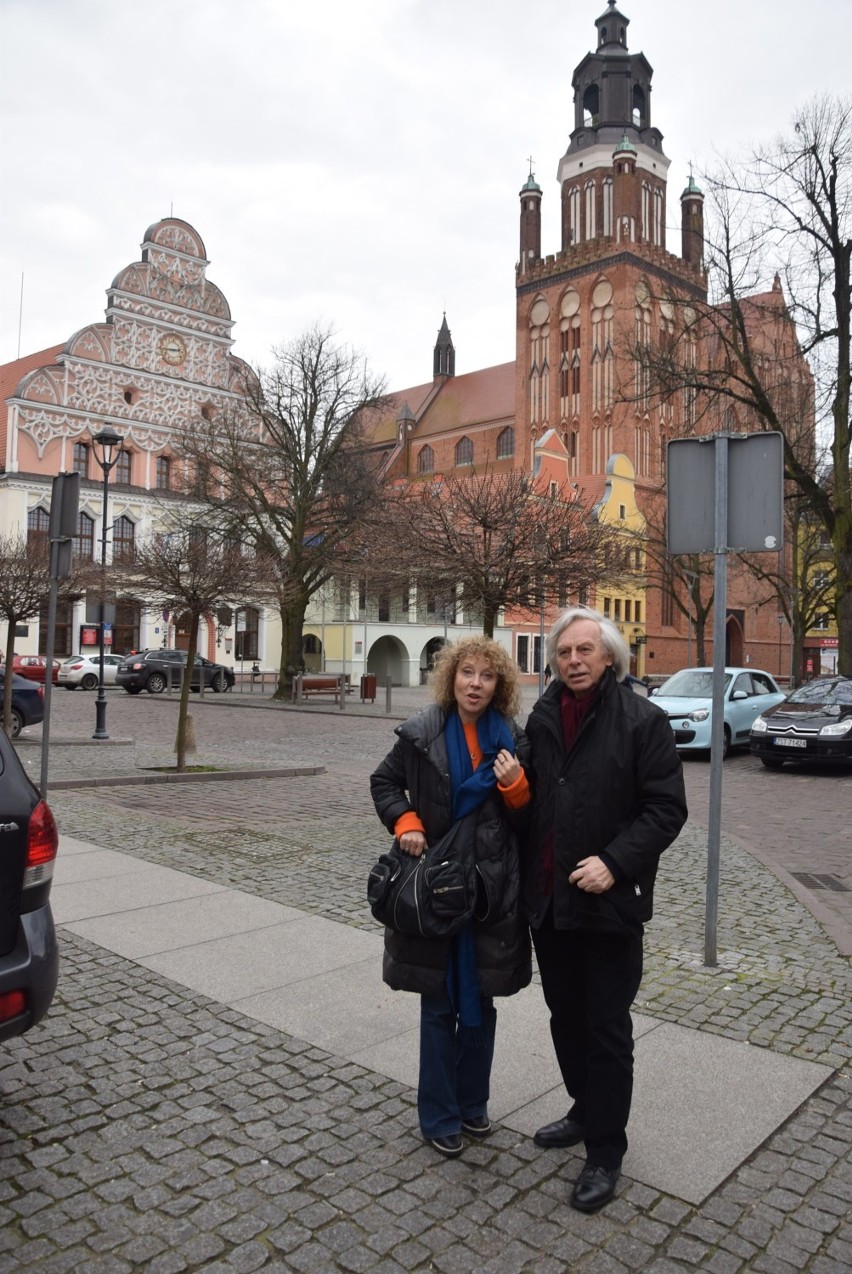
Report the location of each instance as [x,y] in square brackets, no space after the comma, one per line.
[717,723]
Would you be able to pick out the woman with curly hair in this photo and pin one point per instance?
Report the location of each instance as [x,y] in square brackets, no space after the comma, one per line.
[460,756]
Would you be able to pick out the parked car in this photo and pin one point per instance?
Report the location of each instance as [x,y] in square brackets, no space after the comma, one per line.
[814,723]
[687,700]
[27,702]
[34,667]
[151,669]
[84,671]
[29,955]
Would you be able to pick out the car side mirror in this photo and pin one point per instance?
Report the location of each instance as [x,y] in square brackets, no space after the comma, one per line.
[739,694]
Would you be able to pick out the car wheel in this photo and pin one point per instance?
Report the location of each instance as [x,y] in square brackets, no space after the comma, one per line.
[133,690]
[726,742]
[89,682]
[771,762]
[17,723]
[218,682]
[156,683]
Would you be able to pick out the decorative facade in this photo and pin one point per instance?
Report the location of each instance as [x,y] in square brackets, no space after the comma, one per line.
[160,360]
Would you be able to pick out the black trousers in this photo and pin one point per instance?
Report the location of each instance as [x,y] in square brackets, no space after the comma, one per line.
[590,980]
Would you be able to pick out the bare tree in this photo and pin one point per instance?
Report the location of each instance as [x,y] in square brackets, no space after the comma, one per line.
[24,586]
[499,540]
[191,570]
[286,475]
[739,361]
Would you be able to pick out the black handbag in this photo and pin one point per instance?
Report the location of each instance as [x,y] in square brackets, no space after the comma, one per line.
[432,896]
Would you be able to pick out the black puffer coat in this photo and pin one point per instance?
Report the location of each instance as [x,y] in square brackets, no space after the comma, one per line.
[619,791]
[415,775]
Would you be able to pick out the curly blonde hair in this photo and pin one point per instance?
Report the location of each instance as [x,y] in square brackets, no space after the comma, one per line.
[442,679]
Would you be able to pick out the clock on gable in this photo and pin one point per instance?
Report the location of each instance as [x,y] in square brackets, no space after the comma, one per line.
[172,349]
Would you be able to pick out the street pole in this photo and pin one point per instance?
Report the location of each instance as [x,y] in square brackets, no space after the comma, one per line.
[105,444]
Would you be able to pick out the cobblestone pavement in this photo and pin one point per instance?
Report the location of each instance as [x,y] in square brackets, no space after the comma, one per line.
[146,1128]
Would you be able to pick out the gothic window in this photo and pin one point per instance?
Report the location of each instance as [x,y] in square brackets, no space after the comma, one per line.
[597,467]
[646,212]
[84,540]
[123,540]
[122,467]
[606,206]
[638,106]
[426,460]
[38,525]
[658,216]
[164,473]
[574,451]
[574,214]
[80,462]
[506,443]
[591,211]
[464,452]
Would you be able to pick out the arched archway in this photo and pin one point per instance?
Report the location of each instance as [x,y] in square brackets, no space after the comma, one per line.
[387,658]
[428,655]
[734,642]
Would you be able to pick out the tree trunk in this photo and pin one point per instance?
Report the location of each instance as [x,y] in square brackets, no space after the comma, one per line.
[292,623]
[7,687]
[183,710]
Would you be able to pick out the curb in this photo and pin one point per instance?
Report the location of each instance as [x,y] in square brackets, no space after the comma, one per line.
[208,776]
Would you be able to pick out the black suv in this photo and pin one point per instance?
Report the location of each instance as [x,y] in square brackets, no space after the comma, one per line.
[29,956]
[153,670]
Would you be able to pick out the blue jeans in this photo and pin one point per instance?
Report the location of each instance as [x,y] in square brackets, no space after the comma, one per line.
[455,1066]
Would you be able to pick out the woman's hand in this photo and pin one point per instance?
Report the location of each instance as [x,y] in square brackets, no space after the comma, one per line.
[412,843]
[507,768]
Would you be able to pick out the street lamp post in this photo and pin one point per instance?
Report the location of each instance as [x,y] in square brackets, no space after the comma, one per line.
[106,445]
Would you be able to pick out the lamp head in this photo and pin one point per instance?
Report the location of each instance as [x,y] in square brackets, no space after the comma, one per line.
[106,443]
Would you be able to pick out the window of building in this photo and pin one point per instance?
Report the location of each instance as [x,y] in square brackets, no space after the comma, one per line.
[61,633]
[164,473]
[506,443]
[80,461]
[123,540]
[821,622]
[616,610]
[125,632]
[523,652]
[122,466]
[246,646]
[607,607]
[84,540]
[130,395]
[637,612]
[628,611]
[38,525]
[426,460]
[464,452]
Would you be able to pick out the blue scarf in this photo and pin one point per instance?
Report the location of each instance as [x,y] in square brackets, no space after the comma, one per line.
[470,789]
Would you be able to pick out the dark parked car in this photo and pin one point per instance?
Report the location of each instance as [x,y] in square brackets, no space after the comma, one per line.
[814,723]
[27,702]
[29,956]
[152,670]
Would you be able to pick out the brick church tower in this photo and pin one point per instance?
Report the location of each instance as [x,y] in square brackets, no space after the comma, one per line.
[581,310]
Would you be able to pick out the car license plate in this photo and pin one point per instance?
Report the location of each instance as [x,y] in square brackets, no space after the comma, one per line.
[791,743]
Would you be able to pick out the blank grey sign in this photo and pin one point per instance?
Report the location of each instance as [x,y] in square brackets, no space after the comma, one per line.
[755,494]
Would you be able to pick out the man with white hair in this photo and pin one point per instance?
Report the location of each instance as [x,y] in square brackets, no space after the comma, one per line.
[608,799]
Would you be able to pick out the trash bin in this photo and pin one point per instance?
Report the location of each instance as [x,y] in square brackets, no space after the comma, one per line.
[368,687]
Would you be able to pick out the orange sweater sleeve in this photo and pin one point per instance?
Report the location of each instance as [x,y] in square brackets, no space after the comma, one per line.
[407,822]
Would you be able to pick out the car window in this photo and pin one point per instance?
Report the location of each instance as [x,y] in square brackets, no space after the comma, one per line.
[691,683]
[742,682]
[823,692]
[762,685]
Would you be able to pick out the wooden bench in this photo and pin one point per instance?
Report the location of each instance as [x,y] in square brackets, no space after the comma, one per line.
[318,684]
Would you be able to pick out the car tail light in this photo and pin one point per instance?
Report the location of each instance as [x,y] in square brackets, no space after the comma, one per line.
[41,847]
[12,1004]
[40,689]
[76,666]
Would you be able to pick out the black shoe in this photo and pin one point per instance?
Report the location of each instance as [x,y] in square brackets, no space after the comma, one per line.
[564,1132]
[594,1188]
[477,1126]
[451,1145]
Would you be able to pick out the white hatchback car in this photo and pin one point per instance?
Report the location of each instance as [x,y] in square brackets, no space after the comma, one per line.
[84,671]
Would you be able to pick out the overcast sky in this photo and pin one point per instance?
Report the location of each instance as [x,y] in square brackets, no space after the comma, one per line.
[352,161]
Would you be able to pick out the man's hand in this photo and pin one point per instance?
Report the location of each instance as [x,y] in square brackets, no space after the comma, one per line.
[412,843]
[592,875]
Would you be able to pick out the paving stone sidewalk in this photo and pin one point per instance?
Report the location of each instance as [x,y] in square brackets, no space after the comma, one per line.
[146,1128]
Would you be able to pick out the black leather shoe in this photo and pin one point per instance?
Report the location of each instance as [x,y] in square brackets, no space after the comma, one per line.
[564,1132]
[478,1126]
[451,1145]
[594,1188]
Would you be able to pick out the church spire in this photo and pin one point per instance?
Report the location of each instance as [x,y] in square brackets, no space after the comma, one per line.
[444,363]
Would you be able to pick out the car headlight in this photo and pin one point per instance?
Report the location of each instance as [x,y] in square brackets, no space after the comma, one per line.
[759,726]
[700,714]
[837,728]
